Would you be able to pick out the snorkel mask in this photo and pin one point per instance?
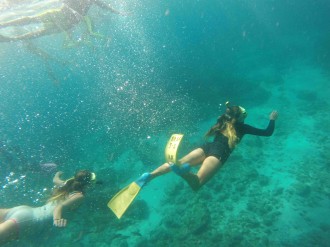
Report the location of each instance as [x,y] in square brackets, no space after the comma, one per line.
[242,114]
[92,179]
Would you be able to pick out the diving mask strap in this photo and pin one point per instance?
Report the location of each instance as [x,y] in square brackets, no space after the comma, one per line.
[93,178]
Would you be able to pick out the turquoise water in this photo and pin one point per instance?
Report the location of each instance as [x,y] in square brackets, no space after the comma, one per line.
[109,105]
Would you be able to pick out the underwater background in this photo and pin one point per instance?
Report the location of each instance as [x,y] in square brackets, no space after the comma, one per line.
[110,103]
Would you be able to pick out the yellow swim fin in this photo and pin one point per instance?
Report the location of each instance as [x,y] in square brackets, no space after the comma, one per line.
[121,201]
[172,147]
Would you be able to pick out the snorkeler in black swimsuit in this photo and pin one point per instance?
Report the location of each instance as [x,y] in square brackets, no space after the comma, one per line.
[228,132]
[220,149]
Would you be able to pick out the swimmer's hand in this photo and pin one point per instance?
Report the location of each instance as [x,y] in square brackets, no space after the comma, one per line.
[58,174]
[60,222]
[273,115]
[57,179]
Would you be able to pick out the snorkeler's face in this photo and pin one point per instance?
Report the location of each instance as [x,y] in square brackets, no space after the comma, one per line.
[236,112]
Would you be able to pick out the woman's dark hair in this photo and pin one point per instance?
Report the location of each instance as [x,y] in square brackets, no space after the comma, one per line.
[233,112]
[225,125]
[78,183]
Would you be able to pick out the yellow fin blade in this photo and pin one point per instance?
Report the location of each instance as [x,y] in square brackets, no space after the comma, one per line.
[172,147]
[121,201]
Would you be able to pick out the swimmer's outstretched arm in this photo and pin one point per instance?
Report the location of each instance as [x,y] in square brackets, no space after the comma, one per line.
[70,203]
[108,7]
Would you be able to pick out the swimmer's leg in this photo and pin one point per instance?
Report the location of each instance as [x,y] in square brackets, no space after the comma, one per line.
[208,169]
[31,35]
[68,40]
[47,59]
[18,22]
[89,26]
[8,231]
